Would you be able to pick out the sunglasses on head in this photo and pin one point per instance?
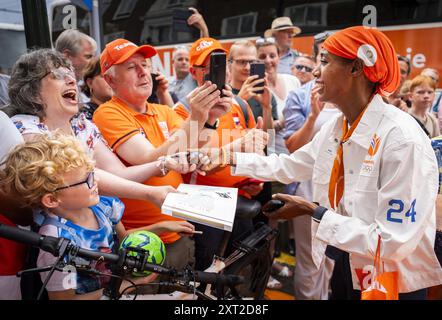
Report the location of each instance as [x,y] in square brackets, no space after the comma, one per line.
[89,181]
[321,37]
[269,40]
[300,67]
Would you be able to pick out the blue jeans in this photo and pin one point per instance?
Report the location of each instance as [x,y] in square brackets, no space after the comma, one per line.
[438,246]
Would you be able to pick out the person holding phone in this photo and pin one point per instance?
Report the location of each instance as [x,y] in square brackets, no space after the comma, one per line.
[183,82]
[232,125]
[280,85]
[160,88]
[241,55]
[139,131]
[197,20]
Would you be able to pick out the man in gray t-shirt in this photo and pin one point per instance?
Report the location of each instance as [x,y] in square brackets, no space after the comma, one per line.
[4,97]
[183,83]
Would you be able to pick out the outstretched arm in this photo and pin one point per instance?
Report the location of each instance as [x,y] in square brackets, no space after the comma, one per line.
[115,186]
[406,204]
[197,20]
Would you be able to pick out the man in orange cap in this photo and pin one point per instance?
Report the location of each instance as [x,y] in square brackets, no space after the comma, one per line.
[140,132]
[374,174]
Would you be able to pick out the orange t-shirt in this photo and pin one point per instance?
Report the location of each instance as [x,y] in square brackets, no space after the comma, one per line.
[232,126]
[118,123]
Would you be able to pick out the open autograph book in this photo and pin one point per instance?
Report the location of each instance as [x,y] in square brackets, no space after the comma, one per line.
[211,206]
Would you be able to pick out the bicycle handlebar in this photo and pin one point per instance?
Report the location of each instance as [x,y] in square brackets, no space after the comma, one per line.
[54,246]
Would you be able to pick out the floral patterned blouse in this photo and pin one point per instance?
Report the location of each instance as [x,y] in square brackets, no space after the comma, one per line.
[84,130]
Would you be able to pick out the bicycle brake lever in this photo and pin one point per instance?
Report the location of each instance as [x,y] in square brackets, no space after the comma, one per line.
[41,269]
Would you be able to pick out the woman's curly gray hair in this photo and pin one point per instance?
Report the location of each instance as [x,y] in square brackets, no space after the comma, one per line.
[25,83]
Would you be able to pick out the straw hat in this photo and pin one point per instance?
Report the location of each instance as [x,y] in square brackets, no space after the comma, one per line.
[282,23]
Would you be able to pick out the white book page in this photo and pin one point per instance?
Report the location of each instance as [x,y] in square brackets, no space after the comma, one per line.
[207,202]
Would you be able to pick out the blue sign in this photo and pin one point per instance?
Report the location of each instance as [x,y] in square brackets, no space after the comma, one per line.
[85,4]
[88,4]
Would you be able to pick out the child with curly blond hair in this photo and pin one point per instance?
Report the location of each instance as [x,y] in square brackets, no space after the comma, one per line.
[56,175]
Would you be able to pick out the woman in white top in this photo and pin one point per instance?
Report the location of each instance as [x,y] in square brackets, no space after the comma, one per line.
[280,85]
[374,173]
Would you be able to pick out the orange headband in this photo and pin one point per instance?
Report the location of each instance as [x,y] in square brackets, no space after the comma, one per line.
[374,49]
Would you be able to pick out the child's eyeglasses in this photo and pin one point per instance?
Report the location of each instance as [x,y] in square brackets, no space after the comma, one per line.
[89,181]
[300,67]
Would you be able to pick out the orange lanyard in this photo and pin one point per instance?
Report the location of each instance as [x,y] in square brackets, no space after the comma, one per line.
[336,185]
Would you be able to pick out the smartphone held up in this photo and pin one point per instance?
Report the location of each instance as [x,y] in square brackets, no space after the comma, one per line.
[258,69]
[154,82]
[217,71]
[179,20]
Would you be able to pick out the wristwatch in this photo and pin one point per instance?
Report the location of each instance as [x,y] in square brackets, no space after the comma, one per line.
[213,127]
[318,213]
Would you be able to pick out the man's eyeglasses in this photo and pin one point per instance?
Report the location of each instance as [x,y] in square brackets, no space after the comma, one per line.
[263,41]
[300,67]
[61,74]
[204,68]
[243,62]
[89,181]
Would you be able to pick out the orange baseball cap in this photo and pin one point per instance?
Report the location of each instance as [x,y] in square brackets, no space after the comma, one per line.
[202,48]
[120,50]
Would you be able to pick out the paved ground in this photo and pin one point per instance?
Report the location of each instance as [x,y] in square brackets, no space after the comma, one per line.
[286,291]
